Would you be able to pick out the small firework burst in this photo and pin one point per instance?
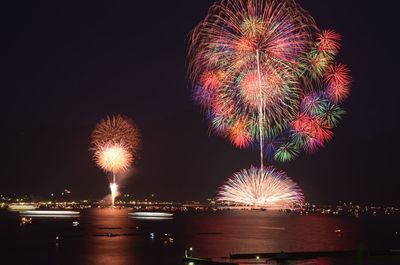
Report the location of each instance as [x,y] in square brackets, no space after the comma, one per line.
[328,42]
[116,129]
[286,152]
[338,81]
[113,157]
[114,142]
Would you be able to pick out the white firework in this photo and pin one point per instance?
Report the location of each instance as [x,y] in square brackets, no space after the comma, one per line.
[261,188]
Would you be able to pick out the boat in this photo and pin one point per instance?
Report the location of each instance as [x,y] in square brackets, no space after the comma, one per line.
[151,215]
[22,206]
[25,220]
[53,213]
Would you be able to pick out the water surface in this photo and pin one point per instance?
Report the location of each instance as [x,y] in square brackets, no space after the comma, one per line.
[109,236]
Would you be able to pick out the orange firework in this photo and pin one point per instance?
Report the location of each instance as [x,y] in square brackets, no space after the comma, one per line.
[113,157]
[114,143]
[116,129]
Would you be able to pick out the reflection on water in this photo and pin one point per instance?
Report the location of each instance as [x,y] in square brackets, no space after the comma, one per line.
[109,236]
[257,232]
[319,261]
[108,249]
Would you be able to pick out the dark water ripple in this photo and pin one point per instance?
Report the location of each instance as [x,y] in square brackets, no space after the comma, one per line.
[109,237]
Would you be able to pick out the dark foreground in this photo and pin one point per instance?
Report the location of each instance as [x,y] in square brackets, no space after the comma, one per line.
[108,236]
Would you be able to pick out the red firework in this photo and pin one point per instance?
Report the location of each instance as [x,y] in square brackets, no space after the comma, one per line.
[338,80]
[239,134]
[328,42]
[313,128]
[212,80]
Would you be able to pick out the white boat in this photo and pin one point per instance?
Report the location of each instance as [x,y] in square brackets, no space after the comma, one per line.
[50,213]
[151,215]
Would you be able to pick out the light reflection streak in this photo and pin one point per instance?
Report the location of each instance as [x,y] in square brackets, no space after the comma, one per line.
[151,218]
[56,214]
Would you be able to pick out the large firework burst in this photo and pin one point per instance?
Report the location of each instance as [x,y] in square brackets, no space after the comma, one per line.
[261,188]
[262,67]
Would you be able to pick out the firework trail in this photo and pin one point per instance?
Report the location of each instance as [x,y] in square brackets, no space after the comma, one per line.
[114,192]
[114,143]
[261,188]
[259,68]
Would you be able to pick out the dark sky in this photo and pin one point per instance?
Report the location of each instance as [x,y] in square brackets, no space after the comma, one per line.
[64,66]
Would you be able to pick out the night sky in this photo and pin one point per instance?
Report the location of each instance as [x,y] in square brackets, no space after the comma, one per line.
[64,66]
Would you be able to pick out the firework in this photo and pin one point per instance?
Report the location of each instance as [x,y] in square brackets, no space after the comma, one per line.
[116,129]
[328,42]
[286,152]
[265,76]
[246,54]
[114,192]
[331,114]
[114,143]
[311,131]
[261,188]
[313,104]
[327,45]
[113,157]
[338,82]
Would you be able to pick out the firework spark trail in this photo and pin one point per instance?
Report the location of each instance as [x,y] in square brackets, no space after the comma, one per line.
[261,111]
[114,143]
[261,188]
[114,192]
